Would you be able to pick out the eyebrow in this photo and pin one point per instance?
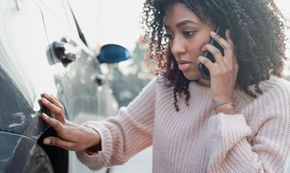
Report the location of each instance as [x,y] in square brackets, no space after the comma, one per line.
[182,23]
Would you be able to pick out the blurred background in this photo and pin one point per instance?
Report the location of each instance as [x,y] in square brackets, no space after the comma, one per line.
[119,22]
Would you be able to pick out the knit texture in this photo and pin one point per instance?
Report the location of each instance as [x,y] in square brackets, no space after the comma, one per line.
[196,139]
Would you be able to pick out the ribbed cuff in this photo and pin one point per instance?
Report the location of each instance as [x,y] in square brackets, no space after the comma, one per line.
[100,159]
[231,126]
[224,132]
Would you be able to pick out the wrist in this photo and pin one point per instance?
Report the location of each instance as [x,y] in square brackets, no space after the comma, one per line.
[96,143]
[226,107]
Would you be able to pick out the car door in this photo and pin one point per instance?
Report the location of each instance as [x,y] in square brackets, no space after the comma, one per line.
[24,75]
[29,35]
[81,84]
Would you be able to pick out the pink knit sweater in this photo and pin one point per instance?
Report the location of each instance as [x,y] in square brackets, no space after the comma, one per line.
[196,139]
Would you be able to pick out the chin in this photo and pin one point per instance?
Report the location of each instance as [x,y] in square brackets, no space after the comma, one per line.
[192,76]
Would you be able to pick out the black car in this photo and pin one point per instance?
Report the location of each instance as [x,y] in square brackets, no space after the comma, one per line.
[42,49]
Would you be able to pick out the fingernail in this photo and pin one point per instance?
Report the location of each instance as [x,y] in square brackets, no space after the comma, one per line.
[212,33]
[199,58]
[43,115]
[44,100]
[46,141]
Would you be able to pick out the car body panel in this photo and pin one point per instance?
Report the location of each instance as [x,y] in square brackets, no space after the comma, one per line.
[77,80]
[21,154]
[20,84]
[30,67]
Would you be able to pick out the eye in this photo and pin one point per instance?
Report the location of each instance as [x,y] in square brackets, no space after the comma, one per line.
[188,34]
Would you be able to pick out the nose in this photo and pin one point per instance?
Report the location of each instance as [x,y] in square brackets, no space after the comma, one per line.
[177,46]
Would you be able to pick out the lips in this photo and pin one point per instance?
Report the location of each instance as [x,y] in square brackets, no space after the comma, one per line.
[184,65]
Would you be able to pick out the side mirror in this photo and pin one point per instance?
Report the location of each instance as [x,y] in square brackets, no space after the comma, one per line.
[113,53]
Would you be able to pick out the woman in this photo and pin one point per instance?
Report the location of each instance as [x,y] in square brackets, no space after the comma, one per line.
[236,121]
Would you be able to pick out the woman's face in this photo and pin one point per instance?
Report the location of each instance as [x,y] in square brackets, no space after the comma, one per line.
[187,35]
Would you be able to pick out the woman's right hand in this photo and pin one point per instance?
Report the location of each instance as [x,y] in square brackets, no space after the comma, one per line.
[71,136]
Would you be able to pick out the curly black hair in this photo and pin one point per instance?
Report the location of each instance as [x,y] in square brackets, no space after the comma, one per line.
[257,30]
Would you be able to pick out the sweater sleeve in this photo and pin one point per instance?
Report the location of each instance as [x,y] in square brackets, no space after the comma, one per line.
[234,149]
[126,134]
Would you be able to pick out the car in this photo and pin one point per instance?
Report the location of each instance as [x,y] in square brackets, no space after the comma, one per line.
[43,50]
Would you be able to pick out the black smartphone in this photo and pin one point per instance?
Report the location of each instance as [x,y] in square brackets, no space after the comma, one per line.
[203,70]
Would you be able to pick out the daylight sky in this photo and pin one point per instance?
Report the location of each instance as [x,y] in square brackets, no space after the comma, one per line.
[113,21]
[110,21]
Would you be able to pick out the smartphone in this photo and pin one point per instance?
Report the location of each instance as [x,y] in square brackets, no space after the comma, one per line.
[203,70]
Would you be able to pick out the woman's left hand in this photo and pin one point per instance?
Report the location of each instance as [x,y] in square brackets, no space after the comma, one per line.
[224,71]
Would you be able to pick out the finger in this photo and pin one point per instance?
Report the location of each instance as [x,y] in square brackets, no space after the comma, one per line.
[221,41]
[215,52]
[205,61]
[56,141]
[231,51]
[230,56]
[53,100]
[229,38]
[228,46]
[52,122]
[54,109]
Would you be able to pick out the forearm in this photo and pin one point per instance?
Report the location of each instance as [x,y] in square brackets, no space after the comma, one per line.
[97,145]
[230,150]
[114,148]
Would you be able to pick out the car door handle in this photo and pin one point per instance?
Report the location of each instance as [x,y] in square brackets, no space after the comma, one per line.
[99,79]
[65,52]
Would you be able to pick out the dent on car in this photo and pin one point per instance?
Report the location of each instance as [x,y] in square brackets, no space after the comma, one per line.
[21,154]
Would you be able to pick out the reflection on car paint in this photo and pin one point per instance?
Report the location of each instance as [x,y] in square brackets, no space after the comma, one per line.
[20,154]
